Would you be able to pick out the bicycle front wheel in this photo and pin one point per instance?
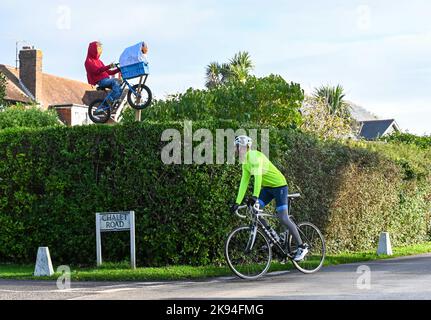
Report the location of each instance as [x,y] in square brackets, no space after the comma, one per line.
[248,259]
[141,98]
[315,258]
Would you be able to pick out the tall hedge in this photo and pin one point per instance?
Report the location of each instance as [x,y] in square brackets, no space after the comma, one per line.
[267,101]
[354,191]
[53,181]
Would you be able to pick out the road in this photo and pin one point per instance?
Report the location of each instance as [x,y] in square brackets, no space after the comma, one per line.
[401,279]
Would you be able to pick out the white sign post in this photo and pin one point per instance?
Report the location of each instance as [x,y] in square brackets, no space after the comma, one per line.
[115,222]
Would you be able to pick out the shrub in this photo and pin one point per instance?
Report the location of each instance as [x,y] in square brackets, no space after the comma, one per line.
[21,117]
[422,142]
[269,101]
[355,190]
[318,119]
[54,180]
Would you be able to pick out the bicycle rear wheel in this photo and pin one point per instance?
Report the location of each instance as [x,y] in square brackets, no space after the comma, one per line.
[315,258]
[245,261]
[99,113]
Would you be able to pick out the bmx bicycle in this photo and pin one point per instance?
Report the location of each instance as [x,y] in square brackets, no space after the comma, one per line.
[249,249]
[139,96]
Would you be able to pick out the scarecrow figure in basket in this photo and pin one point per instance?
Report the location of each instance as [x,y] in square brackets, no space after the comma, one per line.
[134,54]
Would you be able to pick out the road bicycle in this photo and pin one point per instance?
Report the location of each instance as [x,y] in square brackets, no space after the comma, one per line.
[139,96]
[249,249]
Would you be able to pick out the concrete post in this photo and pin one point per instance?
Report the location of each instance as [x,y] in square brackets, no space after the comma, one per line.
[43,266]
[385,247]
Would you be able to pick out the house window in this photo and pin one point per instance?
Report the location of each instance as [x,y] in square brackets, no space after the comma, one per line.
[80,117]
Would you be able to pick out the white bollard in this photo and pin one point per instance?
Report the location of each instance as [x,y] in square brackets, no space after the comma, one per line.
[43,263]
[384,245]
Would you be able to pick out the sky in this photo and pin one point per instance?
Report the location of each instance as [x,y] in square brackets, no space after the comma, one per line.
[379,51]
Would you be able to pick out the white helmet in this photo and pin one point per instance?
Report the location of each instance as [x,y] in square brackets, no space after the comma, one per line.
[243,141]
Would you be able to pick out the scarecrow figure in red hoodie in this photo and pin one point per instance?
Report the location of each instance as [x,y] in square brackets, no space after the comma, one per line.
[99,74]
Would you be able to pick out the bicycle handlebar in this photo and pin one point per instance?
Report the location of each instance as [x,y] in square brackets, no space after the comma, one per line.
[244,207]
[241,208]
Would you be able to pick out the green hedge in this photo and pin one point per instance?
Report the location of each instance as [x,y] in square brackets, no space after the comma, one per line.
[22,117]
[53,181]
[267,101]
[422,142]
[355,190]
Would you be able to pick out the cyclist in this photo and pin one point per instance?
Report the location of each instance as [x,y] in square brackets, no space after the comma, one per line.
[269,183]
[99,74]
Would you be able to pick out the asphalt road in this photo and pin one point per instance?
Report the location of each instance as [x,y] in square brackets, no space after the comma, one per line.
[401,279]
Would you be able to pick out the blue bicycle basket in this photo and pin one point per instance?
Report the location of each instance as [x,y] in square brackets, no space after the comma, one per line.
[135,70]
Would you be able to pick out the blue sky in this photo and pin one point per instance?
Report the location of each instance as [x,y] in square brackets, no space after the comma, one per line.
[378,50]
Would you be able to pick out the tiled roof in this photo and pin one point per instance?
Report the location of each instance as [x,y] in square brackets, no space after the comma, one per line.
[375,128]
[55,90]
[14,91]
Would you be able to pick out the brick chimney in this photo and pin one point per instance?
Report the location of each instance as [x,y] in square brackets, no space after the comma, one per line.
[30,71]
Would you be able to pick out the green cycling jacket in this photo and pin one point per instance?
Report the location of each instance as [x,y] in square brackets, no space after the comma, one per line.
[265,174]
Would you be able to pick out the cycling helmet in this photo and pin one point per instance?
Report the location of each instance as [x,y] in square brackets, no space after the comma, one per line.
[243,141]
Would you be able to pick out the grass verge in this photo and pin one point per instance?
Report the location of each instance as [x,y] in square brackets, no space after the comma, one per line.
[121,271]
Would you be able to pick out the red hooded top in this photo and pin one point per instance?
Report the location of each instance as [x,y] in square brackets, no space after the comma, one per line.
[96,70]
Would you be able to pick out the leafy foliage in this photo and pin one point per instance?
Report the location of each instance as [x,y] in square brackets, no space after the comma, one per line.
[241,66]
[334,98]
[422,142]
[355,190]
[317,119]
[54,180]
[264,101]
[21,117]
[238,69]
[216,74]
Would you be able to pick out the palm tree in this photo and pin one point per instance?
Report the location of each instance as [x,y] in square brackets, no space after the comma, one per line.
[334,98]
[241,65]
[213,75]
[226,72]
[238,68]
